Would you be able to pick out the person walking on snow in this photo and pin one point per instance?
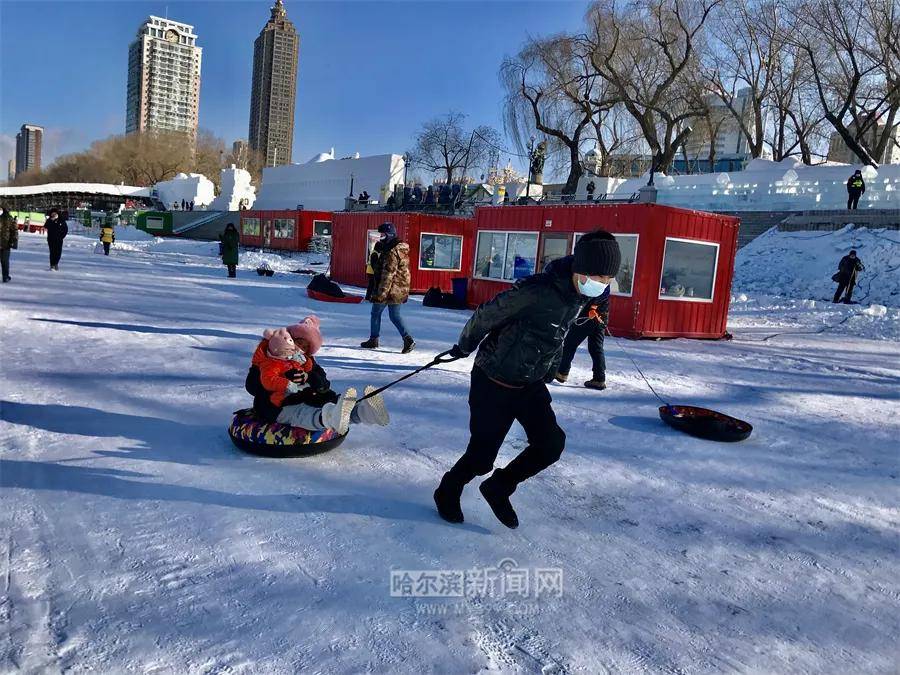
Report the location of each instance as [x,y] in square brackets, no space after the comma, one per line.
[856,186]
[390,286]
[107,237]
[230,244]
[848,268]
[590,325]
[56,229]
[9,239]
[519,336]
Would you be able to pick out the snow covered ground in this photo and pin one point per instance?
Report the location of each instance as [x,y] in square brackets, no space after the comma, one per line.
[138,539]
[800,264]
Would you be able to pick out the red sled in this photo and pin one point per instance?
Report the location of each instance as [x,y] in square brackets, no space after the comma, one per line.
[316,295]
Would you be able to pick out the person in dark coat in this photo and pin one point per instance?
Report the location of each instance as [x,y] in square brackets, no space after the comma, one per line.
[848,269]
[856,186]
[56,229]
[590,191]
[590,325]
[230,243]
[519,336]
[183,205]
[9,239]
[389,287]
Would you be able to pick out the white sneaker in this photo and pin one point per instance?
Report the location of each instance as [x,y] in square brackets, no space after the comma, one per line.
[337,415]
[372,410]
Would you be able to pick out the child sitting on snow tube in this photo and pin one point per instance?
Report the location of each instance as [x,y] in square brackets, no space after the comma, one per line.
[289,387]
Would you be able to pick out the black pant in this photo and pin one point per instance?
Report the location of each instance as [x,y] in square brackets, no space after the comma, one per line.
[853,200]
[593,331]
[232,271]
[845,284]
[55,251]
[4,262]
[105,248]
[493,408]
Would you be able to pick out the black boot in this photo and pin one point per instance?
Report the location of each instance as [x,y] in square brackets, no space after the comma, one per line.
[447,497]
[496,492]
[408,344]
[371,343]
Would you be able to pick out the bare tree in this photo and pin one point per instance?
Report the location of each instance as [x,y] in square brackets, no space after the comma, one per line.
[443,145]
[616,134]
[747,42]
[552,87]
[648,50]
[853,50]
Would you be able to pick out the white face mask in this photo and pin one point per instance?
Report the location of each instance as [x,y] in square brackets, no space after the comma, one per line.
[590,288]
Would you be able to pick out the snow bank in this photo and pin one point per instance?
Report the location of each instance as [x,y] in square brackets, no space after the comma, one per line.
[773,186]
[800,264]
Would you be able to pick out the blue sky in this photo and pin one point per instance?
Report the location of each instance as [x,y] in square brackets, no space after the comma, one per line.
[370,72]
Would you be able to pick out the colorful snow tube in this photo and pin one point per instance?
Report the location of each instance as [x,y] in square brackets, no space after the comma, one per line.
[324,297]
[272,439]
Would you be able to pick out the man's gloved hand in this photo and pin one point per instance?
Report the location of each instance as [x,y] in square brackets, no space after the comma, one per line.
[297,376]
[457,353]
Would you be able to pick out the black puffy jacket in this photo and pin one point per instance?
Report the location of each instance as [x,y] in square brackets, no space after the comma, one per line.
[522,330]
[56,231]
[318,393]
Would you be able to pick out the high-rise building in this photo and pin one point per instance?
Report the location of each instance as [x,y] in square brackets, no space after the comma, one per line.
[163,78]
[274,89]
[10,170]
[28,148]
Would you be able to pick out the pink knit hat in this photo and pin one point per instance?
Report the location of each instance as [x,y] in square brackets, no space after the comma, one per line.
[281,344]
[308,330]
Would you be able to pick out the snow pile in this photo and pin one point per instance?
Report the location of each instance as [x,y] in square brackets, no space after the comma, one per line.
[236,188]
[801,264]
[875,310]
[131,233]
[190,187]
[765,185]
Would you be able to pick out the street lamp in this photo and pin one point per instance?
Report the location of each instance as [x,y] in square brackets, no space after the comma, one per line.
[530,163]
[407,160]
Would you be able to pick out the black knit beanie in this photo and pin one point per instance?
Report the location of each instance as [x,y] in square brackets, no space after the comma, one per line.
[597,254]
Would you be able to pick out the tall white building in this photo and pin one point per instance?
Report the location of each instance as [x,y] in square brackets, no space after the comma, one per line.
[730,142]
[839,152]
[163,78]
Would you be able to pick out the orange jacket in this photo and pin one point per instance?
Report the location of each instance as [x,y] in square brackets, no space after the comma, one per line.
[273,373]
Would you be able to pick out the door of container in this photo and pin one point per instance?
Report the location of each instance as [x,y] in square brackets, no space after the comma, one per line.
[553,245]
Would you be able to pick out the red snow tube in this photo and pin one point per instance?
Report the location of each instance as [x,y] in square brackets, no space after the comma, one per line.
[324,297]
[272,439]
[705,423]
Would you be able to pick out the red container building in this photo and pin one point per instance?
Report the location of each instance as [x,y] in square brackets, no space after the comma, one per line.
[286,230]
[677,264]
[440,247]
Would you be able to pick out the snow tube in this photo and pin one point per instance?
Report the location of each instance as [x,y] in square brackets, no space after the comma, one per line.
[272,439]
[324,297]
[705,423]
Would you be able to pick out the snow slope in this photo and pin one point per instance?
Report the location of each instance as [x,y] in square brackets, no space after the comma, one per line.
[140,540]
[800,264]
